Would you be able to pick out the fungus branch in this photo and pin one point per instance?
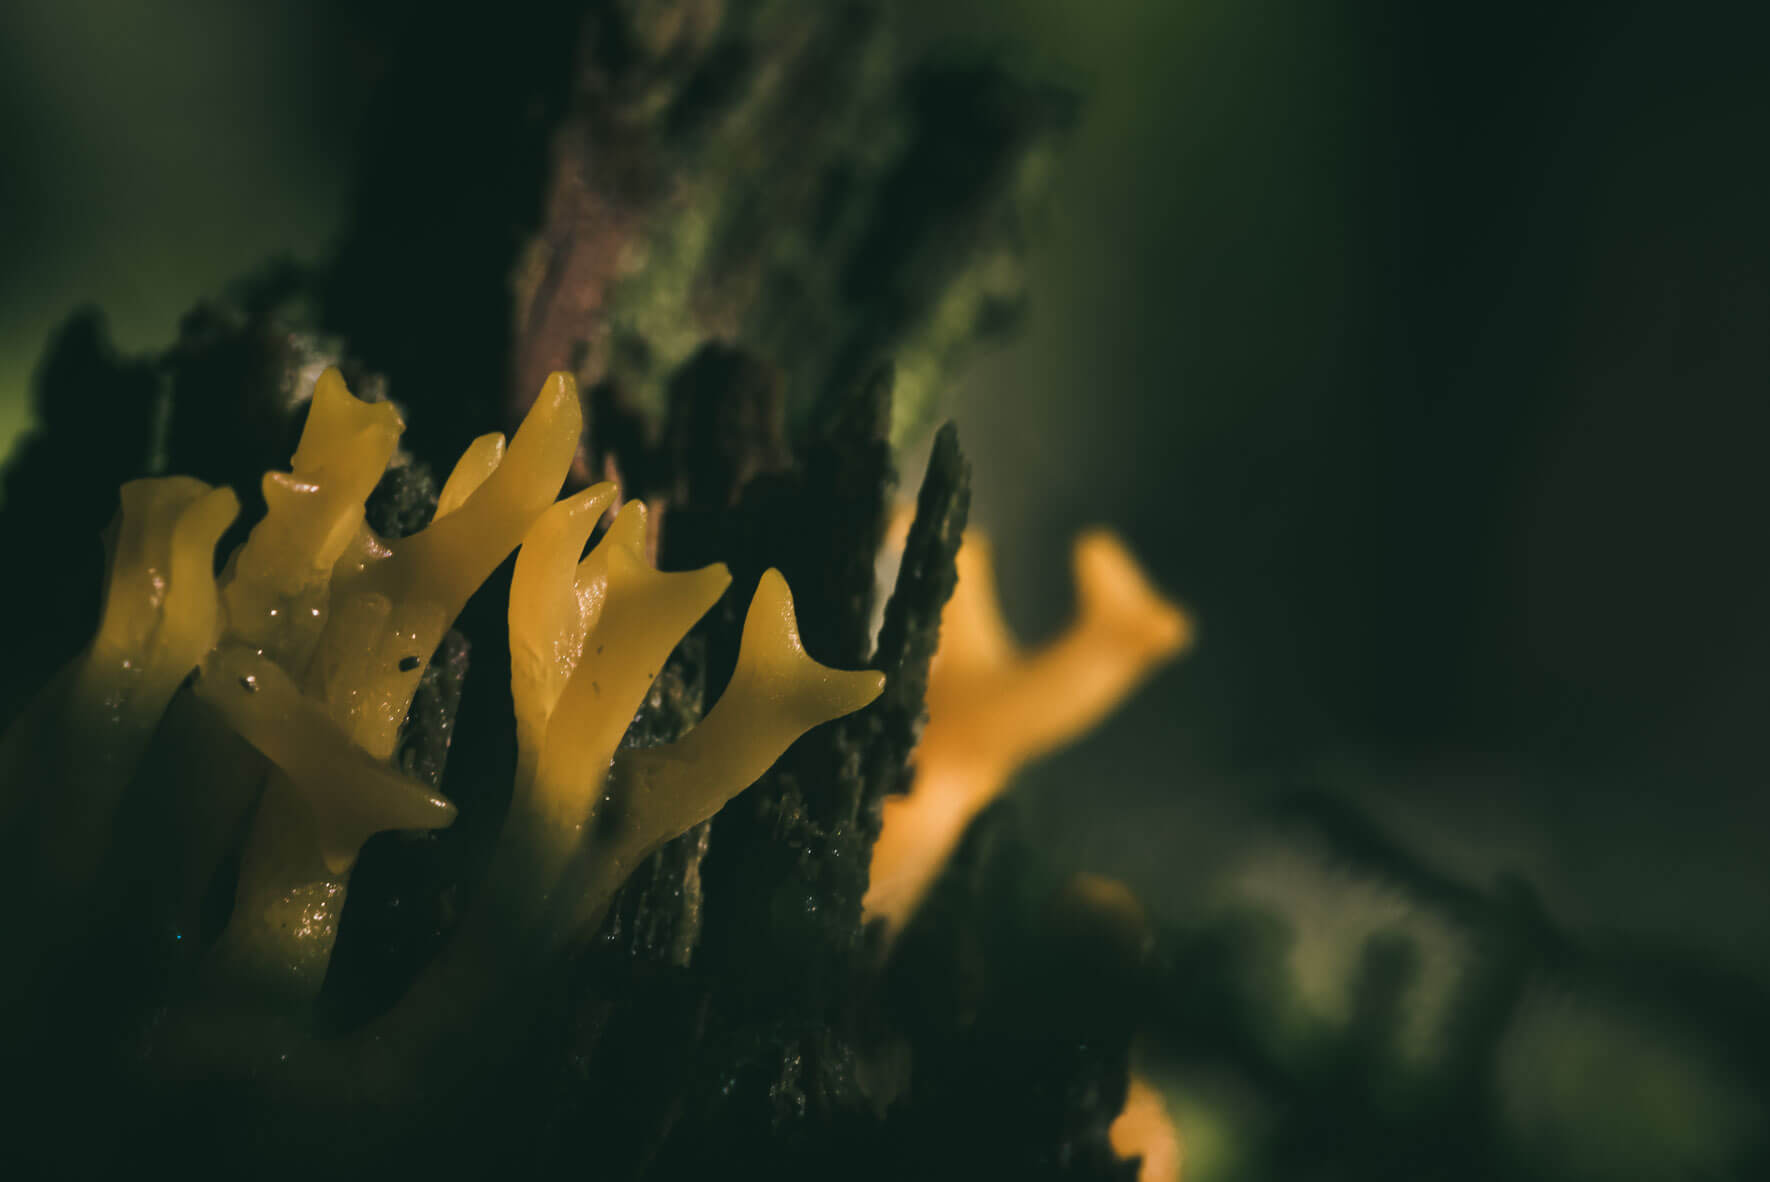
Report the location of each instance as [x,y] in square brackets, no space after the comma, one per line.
[160,617]
[992,708]
[587,640]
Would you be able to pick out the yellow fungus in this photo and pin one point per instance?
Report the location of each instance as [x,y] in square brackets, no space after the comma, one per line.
[554,600]
[446,563]
[160,613]
[313,641]
[476,464]
[993,708]
[160,616]
[276,585]
[352,795]
[1145,1130]
[587,640]
[776,694]
[371,613]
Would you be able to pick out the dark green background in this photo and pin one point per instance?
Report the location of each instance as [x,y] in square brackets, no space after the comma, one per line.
[1425,351]
[1422,349]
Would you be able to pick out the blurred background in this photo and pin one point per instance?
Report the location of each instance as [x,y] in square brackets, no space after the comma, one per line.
[1423,351]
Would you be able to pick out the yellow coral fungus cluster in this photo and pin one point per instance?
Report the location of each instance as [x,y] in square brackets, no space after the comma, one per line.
[992,708]
[587,638]
[311,644]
